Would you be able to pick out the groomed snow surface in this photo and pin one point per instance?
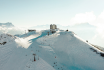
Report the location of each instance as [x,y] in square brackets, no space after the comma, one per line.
[62,50]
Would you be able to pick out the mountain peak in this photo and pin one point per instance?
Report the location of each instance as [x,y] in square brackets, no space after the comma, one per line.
[8,24]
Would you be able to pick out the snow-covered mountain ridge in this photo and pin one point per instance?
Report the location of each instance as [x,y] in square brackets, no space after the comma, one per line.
[6,38]
[8,24]
[62,50]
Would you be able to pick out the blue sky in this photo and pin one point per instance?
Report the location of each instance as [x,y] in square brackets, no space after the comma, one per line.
[29,13]
[38,12]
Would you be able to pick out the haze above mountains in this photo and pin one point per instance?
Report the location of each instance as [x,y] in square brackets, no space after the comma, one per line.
[85,31]
[8,25]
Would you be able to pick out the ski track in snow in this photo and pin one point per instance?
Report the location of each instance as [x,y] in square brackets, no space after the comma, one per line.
[59,51]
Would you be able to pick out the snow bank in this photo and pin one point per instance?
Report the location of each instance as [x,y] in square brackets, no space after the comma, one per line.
[25,40]
[62,50]
[72,51]
[6,39]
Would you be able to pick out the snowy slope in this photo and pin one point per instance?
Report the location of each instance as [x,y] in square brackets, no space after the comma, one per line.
[59,51]
[14,57]
[6,38]
[73,52]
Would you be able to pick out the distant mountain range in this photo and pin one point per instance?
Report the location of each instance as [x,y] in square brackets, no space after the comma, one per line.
[10,28]
[8,24]
[79,29]
[79,26]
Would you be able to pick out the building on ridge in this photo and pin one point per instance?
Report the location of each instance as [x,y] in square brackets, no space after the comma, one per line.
[53,26]
[31,30]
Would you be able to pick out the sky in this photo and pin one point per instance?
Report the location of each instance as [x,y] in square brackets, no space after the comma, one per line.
[38,12]
[29,13]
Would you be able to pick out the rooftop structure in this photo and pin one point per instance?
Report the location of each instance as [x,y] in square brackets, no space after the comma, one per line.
[30,30]
[53,26]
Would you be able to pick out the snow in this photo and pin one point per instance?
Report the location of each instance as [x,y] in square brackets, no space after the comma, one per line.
[62,50]
[74,51]
[8,24]
[6,38]
[25,40]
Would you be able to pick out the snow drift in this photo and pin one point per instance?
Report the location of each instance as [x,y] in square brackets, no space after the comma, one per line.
[62,50]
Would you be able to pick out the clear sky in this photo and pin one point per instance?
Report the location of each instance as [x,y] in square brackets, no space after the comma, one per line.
[39,12]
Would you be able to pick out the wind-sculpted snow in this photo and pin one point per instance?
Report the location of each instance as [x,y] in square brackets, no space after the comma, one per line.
[62,50]
[25,40]
[6,38]
[6,49]
[73,52]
